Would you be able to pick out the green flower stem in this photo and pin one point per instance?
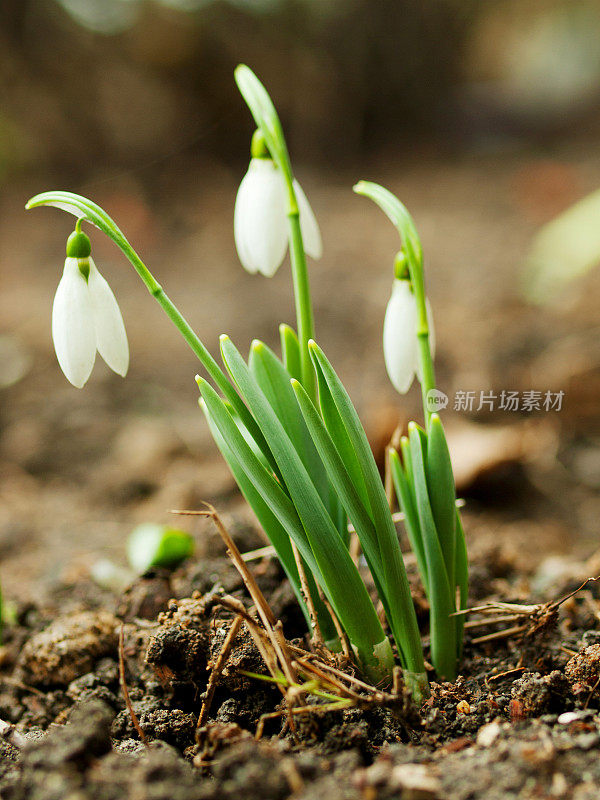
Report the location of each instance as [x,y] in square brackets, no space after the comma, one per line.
[417,278]
[302,298]
[427,371]
[180,322]
[411,247]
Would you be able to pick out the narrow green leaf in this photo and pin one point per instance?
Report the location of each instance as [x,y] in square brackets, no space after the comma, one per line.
[337,430]
[462,580]
[341,580]
[248,437]
[403,620]
[274,380]
[407,459]
[442,494]
[261,478]
[277,534]
[264,484]
[404,492]
[443,631]
[290,351]
[342,483]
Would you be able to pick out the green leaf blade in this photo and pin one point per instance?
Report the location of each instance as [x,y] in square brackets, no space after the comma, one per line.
[443,631]
[442,494]
[290,351]
[342,482]
[406,499]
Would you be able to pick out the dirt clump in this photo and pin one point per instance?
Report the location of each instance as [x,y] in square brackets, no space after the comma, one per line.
[533,695]
[68,648]
[178,650]
[583,673]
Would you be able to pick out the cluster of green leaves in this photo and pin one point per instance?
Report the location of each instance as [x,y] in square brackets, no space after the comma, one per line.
[424,486]
[316,473]
[423,476]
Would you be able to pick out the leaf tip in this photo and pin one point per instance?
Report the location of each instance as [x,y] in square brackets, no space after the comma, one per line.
[202,383]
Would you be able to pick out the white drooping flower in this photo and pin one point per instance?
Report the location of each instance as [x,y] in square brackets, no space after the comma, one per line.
[260,222]
[400,344]
[85,319]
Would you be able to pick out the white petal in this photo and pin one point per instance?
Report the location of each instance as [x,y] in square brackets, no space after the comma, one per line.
[431,337]
[260,224]
[400,336]
[73,325]
[311,235]
[111,339]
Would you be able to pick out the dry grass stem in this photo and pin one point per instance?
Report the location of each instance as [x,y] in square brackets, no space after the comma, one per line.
[125,690]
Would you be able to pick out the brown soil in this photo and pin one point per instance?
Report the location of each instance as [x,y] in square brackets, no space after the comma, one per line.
[520,721]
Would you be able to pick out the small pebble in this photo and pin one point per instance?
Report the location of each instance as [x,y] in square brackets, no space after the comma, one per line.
[463,707]
[568,717]
[488,734]
[415,781]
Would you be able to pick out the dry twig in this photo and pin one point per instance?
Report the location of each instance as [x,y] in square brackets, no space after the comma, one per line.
[530,619]
[218,668]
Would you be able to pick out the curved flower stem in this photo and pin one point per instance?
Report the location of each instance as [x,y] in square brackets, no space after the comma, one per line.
[267,120]
[177,318]
[87,211]
[411,245]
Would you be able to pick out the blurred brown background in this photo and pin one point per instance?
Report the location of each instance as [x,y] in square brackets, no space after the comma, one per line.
[484,117]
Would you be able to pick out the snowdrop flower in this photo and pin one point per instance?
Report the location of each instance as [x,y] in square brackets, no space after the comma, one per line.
[260,222]
[400,344]
[86,317]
